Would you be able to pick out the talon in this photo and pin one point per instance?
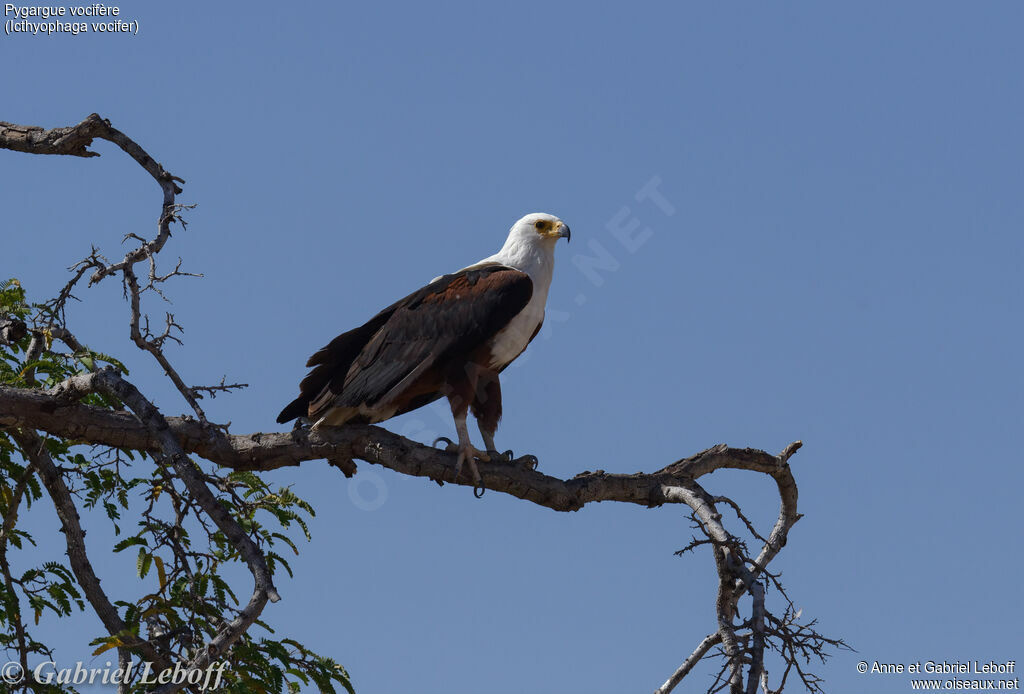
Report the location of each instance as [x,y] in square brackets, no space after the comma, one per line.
[504,458]
[528,461]
[509,455]
[481,487]
[469,454]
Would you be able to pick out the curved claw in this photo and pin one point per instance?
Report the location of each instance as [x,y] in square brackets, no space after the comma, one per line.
[496,457]
[479,485]
[529,461]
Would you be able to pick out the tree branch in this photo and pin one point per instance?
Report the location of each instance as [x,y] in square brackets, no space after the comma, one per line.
[56,413]
[32,139]
[699,652]
[32,446]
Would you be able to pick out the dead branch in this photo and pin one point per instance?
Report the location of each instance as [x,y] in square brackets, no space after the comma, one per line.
[72,141]
[699,652]
[75,141]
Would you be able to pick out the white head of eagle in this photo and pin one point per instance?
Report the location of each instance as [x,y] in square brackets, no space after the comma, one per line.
[450,338]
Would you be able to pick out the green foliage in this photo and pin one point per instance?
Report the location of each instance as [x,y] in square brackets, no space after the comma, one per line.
[184,565]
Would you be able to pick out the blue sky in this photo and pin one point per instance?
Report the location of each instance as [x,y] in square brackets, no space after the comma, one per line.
[841,265]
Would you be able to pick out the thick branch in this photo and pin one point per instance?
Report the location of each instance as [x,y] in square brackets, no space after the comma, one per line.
[74,141]
[59,415]
[32,139]
[757,618]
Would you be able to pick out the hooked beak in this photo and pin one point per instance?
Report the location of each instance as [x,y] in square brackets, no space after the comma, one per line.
[564,232]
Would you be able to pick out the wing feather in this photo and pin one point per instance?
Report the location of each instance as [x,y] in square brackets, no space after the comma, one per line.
[456,315]
[373,364]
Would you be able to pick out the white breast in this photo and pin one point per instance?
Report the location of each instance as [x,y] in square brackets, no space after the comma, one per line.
[527,252]
[513,338]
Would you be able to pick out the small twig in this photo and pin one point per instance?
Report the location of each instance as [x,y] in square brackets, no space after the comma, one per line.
[57,305]
[221,387]
[132,287]
[739,514]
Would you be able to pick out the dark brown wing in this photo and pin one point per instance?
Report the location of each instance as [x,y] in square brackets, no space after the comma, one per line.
[452,315]
[332,362]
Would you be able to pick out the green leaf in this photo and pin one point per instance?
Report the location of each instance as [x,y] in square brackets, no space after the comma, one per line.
[128,542]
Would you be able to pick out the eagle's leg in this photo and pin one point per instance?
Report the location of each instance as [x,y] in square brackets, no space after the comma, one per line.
[463,383]
[487,410]
[488,436]
[467,452]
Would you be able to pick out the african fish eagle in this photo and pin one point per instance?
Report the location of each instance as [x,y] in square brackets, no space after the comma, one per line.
[451,338]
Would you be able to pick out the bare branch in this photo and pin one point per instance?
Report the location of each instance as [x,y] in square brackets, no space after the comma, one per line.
[154,346]
[756,590]
[739,514]
[32,139]
[699,652]
[57,413]
[73,141]
[221,387]
[57,305]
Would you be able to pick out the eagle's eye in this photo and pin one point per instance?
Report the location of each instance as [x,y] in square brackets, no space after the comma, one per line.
[541,224]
